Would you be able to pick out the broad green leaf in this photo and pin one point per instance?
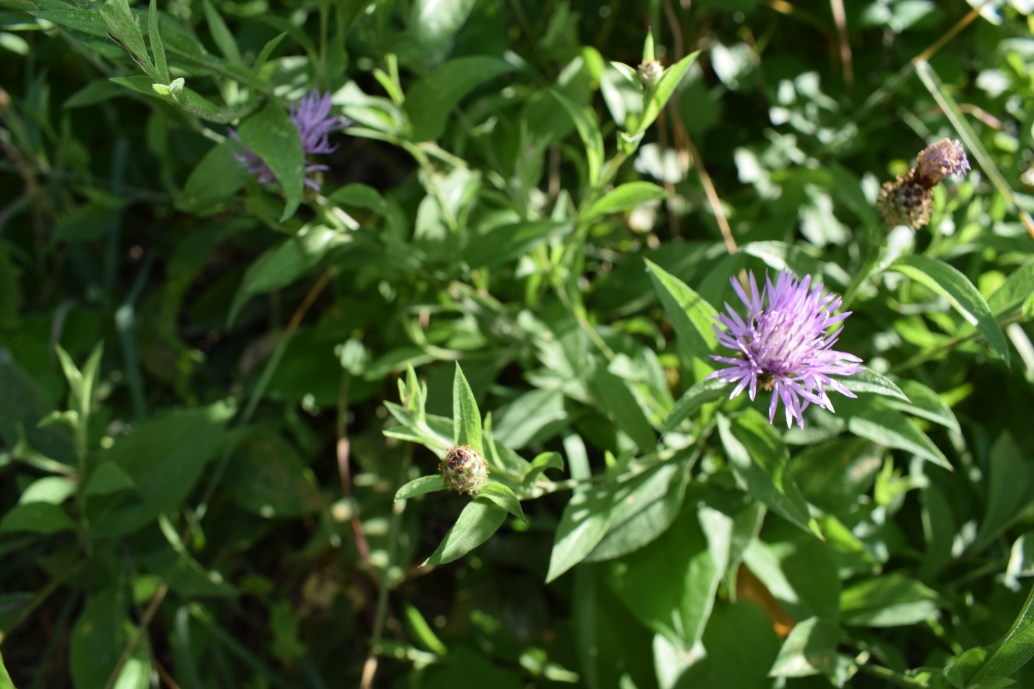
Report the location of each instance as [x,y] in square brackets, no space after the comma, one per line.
[956,288]
[986,667]
[741,646]
[360,196]
[531,417]
[5,678]
[585,122]
[691,316]
[891,428]
[612,395]
[657,96]
[1016,289]
[101,634]
[108,478]
[283,264]
[799,571]
[834,474]
[37,517]
[670,585]
[890,600]
[761,464]
[700,393]
[161,65]
[466,419]
[1008,491]
[431,100]
[420,486]
[926,404]
[503,497]
[272,136]
[215,178]
[869,382]
[542,462]
[432,27]
[271,479]
[507,243]
[624,197]
[582,525]
[643,508]
[810,649]
[475,525]
[164,457]
[52,489]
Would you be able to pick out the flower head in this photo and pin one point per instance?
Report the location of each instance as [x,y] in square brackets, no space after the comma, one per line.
[463,470]
[905,202]
[784,345]
[311,117]
[944,158]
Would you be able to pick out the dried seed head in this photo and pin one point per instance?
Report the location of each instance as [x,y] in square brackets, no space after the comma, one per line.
[944,158]
[906,201]
[650,72]
[464,470]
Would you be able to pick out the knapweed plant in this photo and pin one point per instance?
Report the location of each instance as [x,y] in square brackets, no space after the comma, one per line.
[460,343]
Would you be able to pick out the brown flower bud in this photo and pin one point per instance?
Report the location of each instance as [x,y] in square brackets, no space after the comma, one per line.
[463,470]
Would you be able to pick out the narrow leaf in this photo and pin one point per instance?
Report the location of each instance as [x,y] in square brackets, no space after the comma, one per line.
[658,96]
[475,525]
[504,497]
[466,419]
[700,393]
[956,288]
[625,197]
[420,486]
[691,316]
[891,428]
[272,136]
[157,47]
[589,131]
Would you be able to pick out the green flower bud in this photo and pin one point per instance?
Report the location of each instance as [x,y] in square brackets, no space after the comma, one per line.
[464,470]
[650,72]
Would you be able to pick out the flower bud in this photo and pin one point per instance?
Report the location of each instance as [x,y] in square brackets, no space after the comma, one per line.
[944,158]
[463,469]
[906,201]
[650,71]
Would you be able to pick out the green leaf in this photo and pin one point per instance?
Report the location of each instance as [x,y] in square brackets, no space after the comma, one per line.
[157,47]
[164,457]
[585,122]
[271,479]
[432,27]
[891,428]
[927,404]
[272,136]
[624,197]
[431,100]
[760,462]
[466,419]
[691,316]
[37,517]
[224,40]
[834,475]
[283,264]
[360,196]
[1016,289]
[956,288]
[890,600]
[869,382]
[983,667]
[216,177]
[657,97]
[504,244]
[52,489]
[612,395]
[108,478]
[5,678]
[643,508]
[810,649]
[420,486]
[504,497]
[100,635]
[582,525]
[123,28]
[1008,489]
[476,524]
[23,404]
[539,465]
[700,393]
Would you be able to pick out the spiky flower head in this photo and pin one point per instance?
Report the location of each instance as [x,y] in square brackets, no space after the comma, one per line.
[463,470]
[311,117]
[905,202]
[944,158]
[784,344]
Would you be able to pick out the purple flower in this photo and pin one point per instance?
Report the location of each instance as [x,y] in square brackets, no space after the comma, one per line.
[311,117]
[785,346]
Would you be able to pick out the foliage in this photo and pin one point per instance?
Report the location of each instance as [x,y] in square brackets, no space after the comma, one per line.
[224,397]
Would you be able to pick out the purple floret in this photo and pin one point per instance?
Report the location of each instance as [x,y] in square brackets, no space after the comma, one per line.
[785,346]
[311,117]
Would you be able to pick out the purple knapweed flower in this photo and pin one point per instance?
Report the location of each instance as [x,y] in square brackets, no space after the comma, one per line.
[784,345]
[311,117]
